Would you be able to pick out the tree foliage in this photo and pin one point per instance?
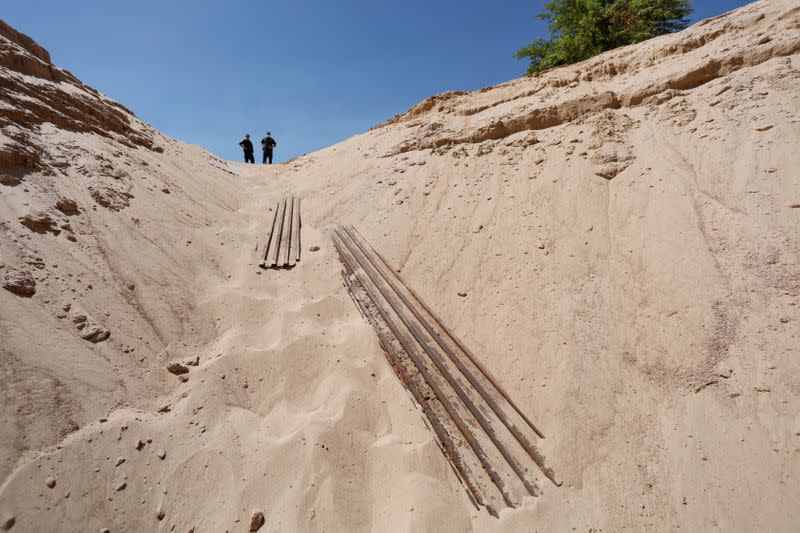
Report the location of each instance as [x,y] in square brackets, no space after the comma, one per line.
[580,29]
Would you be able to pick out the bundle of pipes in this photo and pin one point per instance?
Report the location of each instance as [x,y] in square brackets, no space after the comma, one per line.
[282,249]
[491,444]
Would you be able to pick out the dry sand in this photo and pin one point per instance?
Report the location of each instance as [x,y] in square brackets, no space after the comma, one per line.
[626,230]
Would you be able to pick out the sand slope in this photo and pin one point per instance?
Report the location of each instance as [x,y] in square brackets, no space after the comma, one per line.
[624,231]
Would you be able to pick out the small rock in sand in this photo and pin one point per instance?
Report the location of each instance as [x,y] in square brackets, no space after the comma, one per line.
[314,248]
[192,362]
[121,486]
[40,222]
[160,514]
[120,460]
[177,368]
[65,205]
[9,522]
[9,181]
[19,282]
[462,294]
[162,454]
[139,444]
[50,482]
[183,379]
[256,521]
[95,333]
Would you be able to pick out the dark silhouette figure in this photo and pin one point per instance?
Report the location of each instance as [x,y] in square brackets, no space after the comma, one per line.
[247,146]
[267,144]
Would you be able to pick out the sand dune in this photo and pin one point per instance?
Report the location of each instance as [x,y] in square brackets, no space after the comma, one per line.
[625,231]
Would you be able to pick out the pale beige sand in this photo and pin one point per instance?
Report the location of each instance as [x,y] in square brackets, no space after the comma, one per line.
[647,323]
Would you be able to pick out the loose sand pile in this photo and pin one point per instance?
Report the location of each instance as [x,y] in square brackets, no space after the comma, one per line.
[626,232]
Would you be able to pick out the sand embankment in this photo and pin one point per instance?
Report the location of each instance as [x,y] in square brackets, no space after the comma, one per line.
[625,230]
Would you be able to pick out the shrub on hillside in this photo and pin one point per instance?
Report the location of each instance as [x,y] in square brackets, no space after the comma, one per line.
[580,29]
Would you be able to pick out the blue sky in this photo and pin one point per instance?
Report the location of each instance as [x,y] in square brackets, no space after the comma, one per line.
[312,72]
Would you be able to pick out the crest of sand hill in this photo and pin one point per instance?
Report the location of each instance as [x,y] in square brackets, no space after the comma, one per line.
[624,232]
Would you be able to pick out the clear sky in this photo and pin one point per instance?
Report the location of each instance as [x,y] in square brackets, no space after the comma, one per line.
[312,72]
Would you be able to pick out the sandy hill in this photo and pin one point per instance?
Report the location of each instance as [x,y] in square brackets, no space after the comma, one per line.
[626,231]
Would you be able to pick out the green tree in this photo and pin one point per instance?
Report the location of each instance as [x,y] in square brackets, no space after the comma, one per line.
[580,29]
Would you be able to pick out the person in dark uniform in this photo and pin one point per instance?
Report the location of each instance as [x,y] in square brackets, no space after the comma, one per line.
[247,146]
[267,144]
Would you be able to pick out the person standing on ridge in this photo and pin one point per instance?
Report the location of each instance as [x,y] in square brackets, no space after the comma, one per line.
[247,146]
[267,144]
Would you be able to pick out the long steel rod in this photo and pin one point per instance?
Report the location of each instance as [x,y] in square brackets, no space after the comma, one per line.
[296,225]
[286,242]
[269,237]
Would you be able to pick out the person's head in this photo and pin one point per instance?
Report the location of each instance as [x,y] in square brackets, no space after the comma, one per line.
[246,135]
[268,134]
